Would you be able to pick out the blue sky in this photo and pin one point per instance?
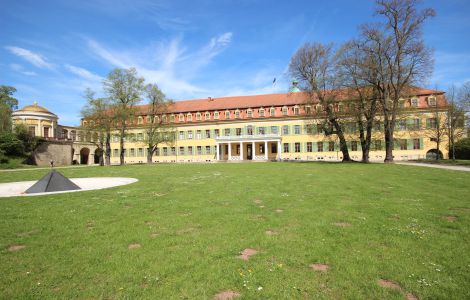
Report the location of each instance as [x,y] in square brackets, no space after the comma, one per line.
[52,50]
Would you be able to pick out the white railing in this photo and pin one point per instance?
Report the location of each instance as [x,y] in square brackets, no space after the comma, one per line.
[259,157]
[237,157]
[247,137]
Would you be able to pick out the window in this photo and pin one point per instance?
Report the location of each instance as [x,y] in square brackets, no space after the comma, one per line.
[46,132]
[116,152]
[403,145]
[199,150]
[208,149]
[274,130]
[354,146]
[227,131]
[198,134]
[432,101]
[272,111]
[181,135]
[227,114]
[297,129]
[261,149]
[156,119]
[190,150]
[431,123]
[181,117]
[237,114]
[148,119]
[284,110]
[331,146]
[164,119]
[414,102]
[181,150]
[319,128]
[285,129]
[140,136]
[340,108]
[286,147]
[308,109]
[189,117]
[238,131]
[402,125]
[172,118]
[296,110]
[140,152]
[216,115]
[190,135]
[261,130]
[416,144]
[207,116]
[173,150]
[415,124]
[261,112]
[157,152]
[273,148]
[320,146]
[249,113]
[140,121]
[319,108]
[297,147]
[32,131]
[216,132]
[165,151]
[208,134]
[249,130]
[309,147]
[198,116]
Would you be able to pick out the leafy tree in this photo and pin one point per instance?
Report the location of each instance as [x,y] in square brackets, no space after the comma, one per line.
[124,90]
[7,104]
[314,66]
[158,129]
[11,145]
[462,149]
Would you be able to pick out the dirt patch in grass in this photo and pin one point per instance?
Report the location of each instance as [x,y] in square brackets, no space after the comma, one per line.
[226,295]
[27,233]
[342,224]
[247,253]
[134,246]
[462,209]
[258,201]
[14,248]
[320,267]
[159,194]
[271,232]
[393,285]
[154,234]
[279,210]
[451,218]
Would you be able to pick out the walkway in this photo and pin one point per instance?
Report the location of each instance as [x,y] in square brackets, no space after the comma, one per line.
[455,168]
[46,168]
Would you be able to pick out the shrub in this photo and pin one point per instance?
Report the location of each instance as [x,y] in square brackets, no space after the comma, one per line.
[462,149]
[3,158]
[11,145]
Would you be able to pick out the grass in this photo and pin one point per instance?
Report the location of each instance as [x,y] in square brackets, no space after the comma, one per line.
[15,163]
[202,216]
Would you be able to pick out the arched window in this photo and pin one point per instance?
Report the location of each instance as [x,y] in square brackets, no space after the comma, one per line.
[198,116]
[216,115]
[432,101]
[207,116]
[237,114]
[227,114]
[156,119]
[285,110]
[261,112]
[181,117]
[164,119]
[189,117]
[272,111]
[140,121]
[148,119]
[172,118]
[249,113]
[414,102]
[296,110]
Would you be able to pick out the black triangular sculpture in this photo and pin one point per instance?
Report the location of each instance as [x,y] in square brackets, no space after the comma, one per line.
[52,182]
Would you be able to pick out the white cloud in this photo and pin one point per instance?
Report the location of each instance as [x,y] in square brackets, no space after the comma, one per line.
[33,58]
[19,68]
[83,73]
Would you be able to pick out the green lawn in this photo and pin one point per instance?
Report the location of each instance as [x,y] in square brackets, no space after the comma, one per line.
[193,220]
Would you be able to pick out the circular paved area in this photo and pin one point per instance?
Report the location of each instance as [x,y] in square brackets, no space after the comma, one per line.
[12,189]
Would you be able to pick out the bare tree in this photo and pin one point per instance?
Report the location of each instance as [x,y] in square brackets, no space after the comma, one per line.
[99,121]
[455,115]
[403,59]
[437,128]
[158,129]
[313,65]
[124,89]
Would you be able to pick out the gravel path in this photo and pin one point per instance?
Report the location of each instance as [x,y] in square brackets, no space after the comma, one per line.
[455,168]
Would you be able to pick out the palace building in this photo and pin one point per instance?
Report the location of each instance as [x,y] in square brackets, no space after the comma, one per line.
[273,127]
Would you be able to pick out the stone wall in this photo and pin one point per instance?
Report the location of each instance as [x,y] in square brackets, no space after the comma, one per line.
[58,151]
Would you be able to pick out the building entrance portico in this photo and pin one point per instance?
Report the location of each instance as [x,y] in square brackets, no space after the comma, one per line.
[246,148]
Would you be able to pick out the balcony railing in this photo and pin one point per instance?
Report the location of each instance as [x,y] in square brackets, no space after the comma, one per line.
[248,137]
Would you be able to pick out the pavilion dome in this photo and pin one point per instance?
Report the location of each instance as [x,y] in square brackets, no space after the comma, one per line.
[34,108]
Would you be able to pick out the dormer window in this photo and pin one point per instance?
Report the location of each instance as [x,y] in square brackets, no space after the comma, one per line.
[296,110]
[249,113]
[198,116]
[414,102]
[189,117]
[237,114]
[164,119]
[432,101]
[261,112]
[308,109]
[272,111]
[216,115]
[172,118]
[140,121]
[148,119]
[156,119]
[181,117]
[207,116]
[227,114]
[340,108]
[284,110]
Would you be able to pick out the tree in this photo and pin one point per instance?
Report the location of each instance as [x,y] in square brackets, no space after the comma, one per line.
[124,90]
[158,129]
[7,105]
[437,129]
[462,149]
[99,120]
[456,116]
[403,59]
[313,65]
[357,70]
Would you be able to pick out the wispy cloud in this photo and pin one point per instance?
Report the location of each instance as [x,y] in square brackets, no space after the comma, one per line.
[83,73]
[34,58]
[19,68]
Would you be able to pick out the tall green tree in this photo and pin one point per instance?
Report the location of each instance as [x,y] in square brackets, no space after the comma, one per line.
[158,129]
[99,121]
[124,90]
[7,105]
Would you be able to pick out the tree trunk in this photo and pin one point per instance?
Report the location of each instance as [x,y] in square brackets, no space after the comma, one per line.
[437,148]
[149,155]
[389,144]
[342,142]
[108,149]
[121,145]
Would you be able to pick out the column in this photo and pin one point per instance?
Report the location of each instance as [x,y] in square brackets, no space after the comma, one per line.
[217,151]
[241,151]
[52,129]
[229,151]
[253,151]
[279,150]
[265,150]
